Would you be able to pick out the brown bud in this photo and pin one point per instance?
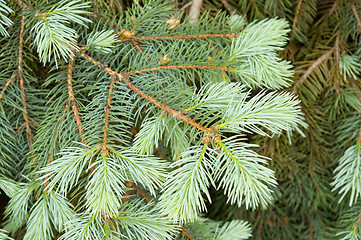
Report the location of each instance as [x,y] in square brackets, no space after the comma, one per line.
[126,34]
[164,59]
[172,22]
[132,19]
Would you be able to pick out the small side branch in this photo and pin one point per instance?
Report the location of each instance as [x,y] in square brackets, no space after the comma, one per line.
[73,103]
[160,68]
[298,10]
[309,71]
[182,37]
[7,84]
[186,233]
[21,79]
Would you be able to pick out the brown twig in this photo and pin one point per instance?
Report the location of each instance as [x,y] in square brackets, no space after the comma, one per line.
[356,16]
[182,37]
[315,64]
[334,8]
[73,103]
[311,227]
[227,6]
[93,15]
[186,233]
[160,68]
[21,78]
[107,112]
[255,7]
[7,84]
[194,11]
[298,10]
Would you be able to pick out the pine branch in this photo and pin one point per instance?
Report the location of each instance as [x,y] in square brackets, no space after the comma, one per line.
[21,78]
[124,79]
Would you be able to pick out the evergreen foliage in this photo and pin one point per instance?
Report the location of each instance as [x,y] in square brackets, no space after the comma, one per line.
[125,121]
[318,175]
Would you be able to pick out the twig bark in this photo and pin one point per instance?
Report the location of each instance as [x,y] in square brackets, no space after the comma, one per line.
[194,11]
[7,84]
[21,79]
[309,71]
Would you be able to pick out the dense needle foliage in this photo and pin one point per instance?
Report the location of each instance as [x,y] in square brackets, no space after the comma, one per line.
[126,121]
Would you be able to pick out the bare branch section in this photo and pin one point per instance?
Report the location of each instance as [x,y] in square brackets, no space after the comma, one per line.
[21,79]
[194,11]
[73,103]
[155,102]
[309,71]
[7,84]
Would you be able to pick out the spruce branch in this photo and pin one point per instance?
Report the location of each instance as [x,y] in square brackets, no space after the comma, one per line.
[160,105]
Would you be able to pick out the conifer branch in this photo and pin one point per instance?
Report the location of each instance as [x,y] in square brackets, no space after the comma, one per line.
[230,35]
[198,66]
[22,126]
[309,71]
[7,84]
[73,101]
[354,10]
[21,78]
[124,79]
[107,112]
